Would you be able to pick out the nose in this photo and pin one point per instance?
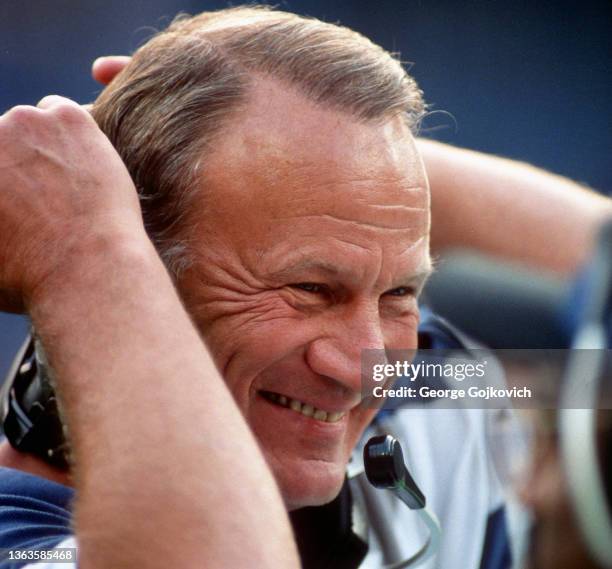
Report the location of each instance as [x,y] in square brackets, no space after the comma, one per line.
[337,351]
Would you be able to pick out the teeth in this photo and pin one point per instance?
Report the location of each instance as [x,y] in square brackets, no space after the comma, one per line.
[305,408]
[334,417]
[320,415]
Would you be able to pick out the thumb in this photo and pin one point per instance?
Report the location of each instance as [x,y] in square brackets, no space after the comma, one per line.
[105,69]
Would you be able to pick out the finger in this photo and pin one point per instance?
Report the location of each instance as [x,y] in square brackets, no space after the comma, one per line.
[104,69]
[54,100]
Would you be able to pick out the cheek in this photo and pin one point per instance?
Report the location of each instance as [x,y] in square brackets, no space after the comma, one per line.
[401,334]
[251,337]
[360,418]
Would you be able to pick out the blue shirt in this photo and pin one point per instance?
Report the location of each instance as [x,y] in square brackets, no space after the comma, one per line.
[34,513]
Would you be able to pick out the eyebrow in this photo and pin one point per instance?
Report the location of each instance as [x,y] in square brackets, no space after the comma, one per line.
[307,265]
[416,280]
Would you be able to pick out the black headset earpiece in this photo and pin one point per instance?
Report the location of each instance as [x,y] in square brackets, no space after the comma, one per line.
[29,413]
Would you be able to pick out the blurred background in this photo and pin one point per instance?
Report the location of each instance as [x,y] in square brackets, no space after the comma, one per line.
[528,80]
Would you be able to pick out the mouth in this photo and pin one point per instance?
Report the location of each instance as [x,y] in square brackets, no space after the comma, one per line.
[302,408]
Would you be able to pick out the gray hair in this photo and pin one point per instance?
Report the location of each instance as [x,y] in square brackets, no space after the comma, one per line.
[163,111]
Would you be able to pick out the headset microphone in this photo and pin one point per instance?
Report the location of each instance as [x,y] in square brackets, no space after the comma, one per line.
[385,469]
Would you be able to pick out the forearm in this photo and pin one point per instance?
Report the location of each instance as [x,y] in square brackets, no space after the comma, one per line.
[166,471]
[508,209]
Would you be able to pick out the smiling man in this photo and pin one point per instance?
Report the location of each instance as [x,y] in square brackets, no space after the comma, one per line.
[280,182]
[279,179]
[304,227]
[315,245]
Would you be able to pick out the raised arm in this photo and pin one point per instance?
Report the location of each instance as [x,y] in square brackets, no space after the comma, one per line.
[510,209]
[167,474]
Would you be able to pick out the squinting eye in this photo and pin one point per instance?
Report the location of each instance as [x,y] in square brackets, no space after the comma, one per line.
[314,288]
[400,291]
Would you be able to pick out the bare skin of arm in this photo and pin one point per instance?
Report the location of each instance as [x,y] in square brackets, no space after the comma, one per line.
[166,472]
[510,209]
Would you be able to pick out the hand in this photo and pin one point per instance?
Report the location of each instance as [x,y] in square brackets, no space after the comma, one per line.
[63,189]
[104,69]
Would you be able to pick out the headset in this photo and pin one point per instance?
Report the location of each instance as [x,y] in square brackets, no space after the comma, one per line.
[384,465]
[29,411]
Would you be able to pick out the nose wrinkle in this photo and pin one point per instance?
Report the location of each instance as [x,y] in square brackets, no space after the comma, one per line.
[336,353]
[340,367]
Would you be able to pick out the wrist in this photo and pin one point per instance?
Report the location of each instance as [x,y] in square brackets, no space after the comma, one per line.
[89,265]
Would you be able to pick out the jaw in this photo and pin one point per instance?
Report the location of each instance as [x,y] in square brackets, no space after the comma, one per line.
[307,482]
[308,458]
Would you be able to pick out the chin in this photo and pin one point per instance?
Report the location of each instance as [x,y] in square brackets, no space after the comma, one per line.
[311,483]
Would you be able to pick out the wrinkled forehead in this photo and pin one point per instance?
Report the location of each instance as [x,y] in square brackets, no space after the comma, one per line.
[284,160]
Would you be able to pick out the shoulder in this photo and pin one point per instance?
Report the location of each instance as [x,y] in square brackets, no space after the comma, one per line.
[447,449]
[35,512]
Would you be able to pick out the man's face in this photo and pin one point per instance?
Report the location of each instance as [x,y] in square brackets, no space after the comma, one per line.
[312,232]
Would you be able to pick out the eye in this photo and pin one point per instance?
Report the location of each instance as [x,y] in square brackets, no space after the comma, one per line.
[313,288]
[400,291]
